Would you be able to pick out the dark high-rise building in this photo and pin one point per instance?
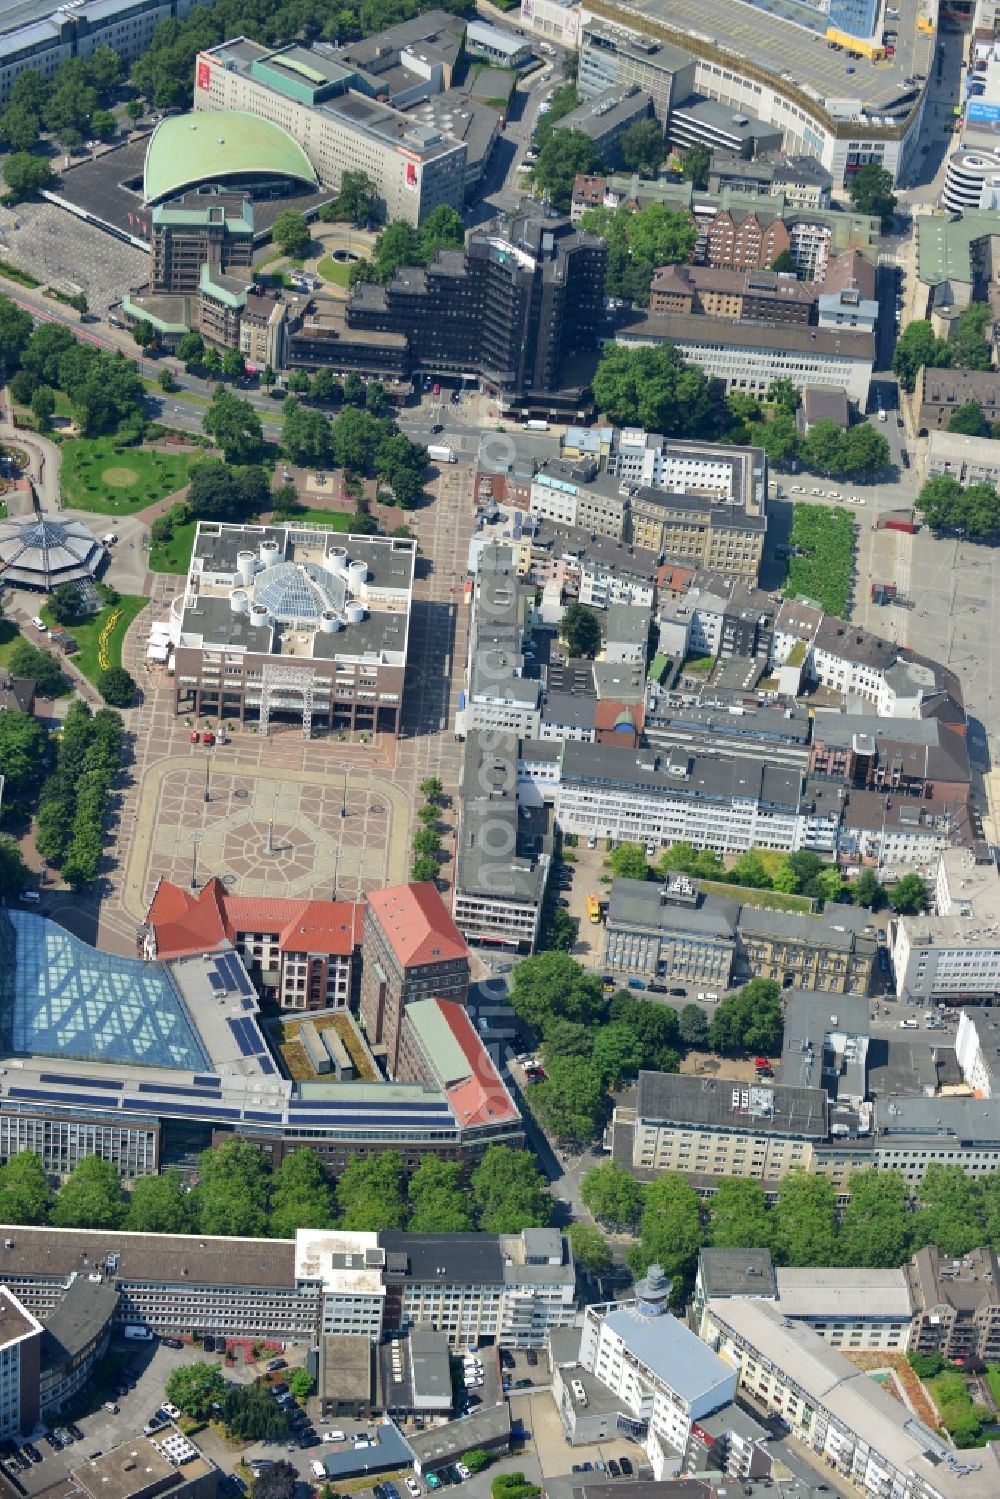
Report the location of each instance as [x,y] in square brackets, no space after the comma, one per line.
[526,293]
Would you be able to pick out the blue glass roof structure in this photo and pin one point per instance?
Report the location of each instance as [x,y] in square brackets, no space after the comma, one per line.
[69,1000]
[293,590]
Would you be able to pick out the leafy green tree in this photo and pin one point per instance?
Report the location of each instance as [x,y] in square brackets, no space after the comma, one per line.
[670,1229]
[637,244]
[22,387]
[16,328]
[25,174]
[563,100]
[653,387]
[250,1414]
[567,1038]
[476,1460]
[117,686]
[969,345]
[135,109]
[739,1216]
[968,420]
[909,896]
[783,393]
[612,1195]
[290,233]
[569,1103]
[438,1202]
[357,197]
[580,630]
[642,147]
[23,743]
[431,789]
[508,1192]
[784,263]
[749,1020]
[865,452]
[194,1387]
[806,1218]
[324,387]
[24,1190]
[300,1195]
[628,861]
[159,1205]
[104,125]
[750,870]
[233,1190]
[590,1248]
[693,1026]
[427,841]
[564,155]
[299,383]
[695,164]
[916,346]
[19,128]
[656,1027]
[424,869]
[370,1194]
[870,191]
[950,1210]
[165,380]
[553,984]
[513,1486]
[779,438]
[306,438]
[300,1384]
[441,230]
[868,890]
[618,1053]
[235,426]
[90,1197]
[14,875]
[876,1227]
[190,350]
[43,406]
[234,365]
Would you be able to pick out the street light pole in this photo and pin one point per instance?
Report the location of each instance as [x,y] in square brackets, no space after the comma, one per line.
[195,840]
[343,809]
[207,768]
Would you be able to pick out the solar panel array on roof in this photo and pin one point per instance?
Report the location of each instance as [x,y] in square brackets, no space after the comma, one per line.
[218,984]
[246,1044]
[108,1100]
[261,1114]
[199,1110]
[205,1082]
[266,1065]
[180,1090]
[77,1082]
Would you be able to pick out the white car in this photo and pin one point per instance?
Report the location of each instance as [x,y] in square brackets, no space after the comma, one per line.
[413,1487]
[334,1436]
[39,624]
[172,1411]
[463,1471]
[317,1469]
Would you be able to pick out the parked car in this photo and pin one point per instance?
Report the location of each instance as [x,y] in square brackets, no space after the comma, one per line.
[523,1384]
[413,1487]
[334,1436]
[171,1342]
[274,1364]
[75,1431]
[33,1452]
[613,1467]
[532,1357]
[626,1466]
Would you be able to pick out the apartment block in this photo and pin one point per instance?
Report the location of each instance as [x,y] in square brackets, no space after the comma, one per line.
[501,693]
[865,1436]
[953,955]
[21,1337]
[439,1047]
[940,393]
[575,494]
[755,295]
[605,117]
[321,102]
[956,1304]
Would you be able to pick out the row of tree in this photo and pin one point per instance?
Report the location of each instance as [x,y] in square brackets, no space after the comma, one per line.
[75,800]
[104,388]
[238,1194]
[947,506]
[884,1222]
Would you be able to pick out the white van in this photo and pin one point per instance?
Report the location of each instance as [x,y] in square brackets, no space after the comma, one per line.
[137,1334]
[317,1469]
[708,998]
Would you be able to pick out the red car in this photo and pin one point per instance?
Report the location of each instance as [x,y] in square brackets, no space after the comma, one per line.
[208,737]
[436,390]
[194,736]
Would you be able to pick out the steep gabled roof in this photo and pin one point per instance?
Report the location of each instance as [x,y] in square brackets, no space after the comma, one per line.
[417,924]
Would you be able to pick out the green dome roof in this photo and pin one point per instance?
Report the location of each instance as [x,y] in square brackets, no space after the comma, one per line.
[213,144]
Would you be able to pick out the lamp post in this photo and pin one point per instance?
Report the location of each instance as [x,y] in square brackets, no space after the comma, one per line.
[195,840]
[343,808]
[207,772]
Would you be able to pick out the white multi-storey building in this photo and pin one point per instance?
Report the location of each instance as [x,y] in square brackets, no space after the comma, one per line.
[955,953]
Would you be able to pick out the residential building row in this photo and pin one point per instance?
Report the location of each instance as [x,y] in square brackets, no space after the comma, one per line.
[509,1289]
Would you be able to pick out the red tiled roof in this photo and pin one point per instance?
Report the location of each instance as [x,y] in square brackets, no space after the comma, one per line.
[480,1098]
[417,924]
[186,923]
[609,713]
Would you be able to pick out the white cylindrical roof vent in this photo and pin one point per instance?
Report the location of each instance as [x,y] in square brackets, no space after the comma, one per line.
[270,553]
[330,622]
[259,614]
[336,559]
[358,574]
[245,564]
[355,613]
[239,601]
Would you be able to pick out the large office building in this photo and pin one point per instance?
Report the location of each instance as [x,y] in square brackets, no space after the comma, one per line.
[411,950]
[509,1288]
[326,106]
[751,356]
[953,955]
[21,1337]
[525,295]
[148,1062]
[611,56]
[296,621]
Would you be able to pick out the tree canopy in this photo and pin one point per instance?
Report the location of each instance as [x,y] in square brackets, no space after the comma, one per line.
[653,387]
[642,147]
[870,191]
[947,506]
[580,630]
[638,243]
[561,159]
[749,1021]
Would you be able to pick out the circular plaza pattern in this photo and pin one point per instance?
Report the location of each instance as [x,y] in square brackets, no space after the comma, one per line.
[264,831]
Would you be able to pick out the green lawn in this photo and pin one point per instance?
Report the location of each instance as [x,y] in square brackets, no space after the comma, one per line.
[87,634]
[336,271]
[173,556]
[333,520]
[766,900]
[98,477]
[9,636]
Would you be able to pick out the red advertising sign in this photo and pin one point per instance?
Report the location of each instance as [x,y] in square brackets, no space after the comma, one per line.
[411,176]
[204,75]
